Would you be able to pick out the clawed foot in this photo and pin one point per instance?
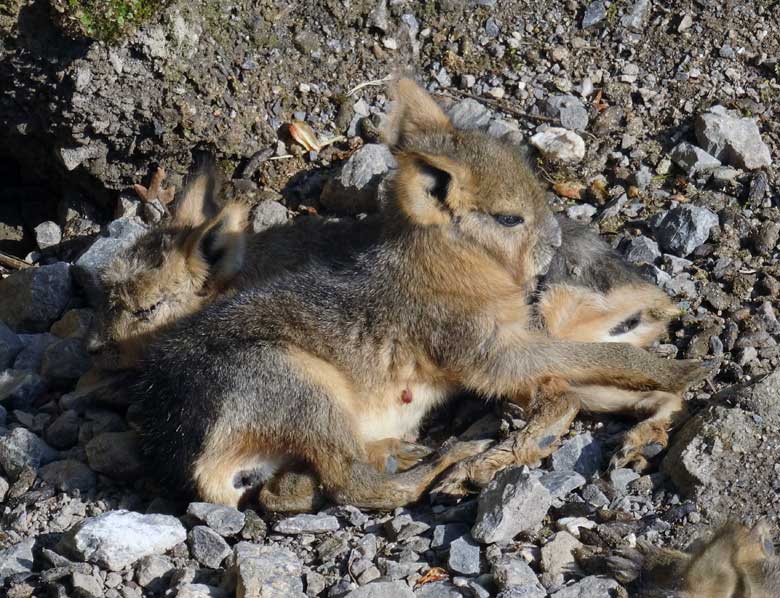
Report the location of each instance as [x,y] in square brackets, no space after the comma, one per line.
[642,442]
[405,455]
[155,190]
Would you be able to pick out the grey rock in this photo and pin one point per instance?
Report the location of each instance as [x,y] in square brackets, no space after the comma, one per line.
[613,207]
[65,360]
[635,16]
[267,572]
[438,589]
[68,475]
[558,554]
[119,538]
[10,346]
[30,358]
[513,502]
[732,139]
[503,129]
[307,524]
[569,110]
[354,189]
[443,535]
[378,16]
[590,587]
[621,478]
[207,546]
[119,235]
[464,556]
[116,455]
[469,114]
[34,298]
[529,591]
[199,590]
[559,144]
[403,527]
[4,487]
[641,250]
[47,234]
[382,589]
[63,432]
[16,559]
[511,571]
[19,390]
[20,448]
[226,521]
[642,177]
[684,228]
[267,214]
[693,159]
[151,571]
[85,586]
[594,13]
[582,454]
[255,529]
[561,483]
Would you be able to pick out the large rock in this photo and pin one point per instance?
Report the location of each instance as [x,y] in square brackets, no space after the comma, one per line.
[207,546]
[569,110]
[34,298]
[19,390]
[267,572]
[582,454]
[559,144]
[118,236]
[558,554]
[510,572]
[469,114]
[116,454]
[10,345]
[16,559]
[354,189]
[464,556]
[383,589]
[65,360]
[20,448]
[693,159]
[226,521]
[732,139]
[684,228]
[68,475]
[591,587]
[30,358]
[117,539]
[514,502]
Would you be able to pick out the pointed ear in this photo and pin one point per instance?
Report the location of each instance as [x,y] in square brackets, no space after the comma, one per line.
[429,188]
[197,202]
[761,534]
[216,250]
[414,113]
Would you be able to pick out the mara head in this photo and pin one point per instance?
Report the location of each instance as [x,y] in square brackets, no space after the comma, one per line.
[472,185]
[168,273]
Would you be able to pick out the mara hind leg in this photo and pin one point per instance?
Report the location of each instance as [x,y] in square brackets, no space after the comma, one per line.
[647,438]
[636,314]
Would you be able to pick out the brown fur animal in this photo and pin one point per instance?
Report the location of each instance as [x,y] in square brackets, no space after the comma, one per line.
[736,562]
[312,369]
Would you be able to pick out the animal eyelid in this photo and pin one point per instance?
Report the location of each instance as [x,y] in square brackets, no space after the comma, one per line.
[146,312]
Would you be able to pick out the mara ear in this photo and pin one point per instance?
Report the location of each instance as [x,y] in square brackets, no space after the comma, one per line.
[430,188]
[414,113]
[197,202]
[761,535]
[216,250]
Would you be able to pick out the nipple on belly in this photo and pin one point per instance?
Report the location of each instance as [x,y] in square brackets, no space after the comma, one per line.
[406,396]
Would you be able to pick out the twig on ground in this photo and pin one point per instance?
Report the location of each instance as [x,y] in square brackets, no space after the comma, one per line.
[12,262]
[374,83]
[503,107]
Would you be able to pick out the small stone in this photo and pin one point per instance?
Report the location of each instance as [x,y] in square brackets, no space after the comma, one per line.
[47,234]
[558,554]
[469,114]
[10,346]
[16,559]
[383,589]
[19,390]
[207,546]
[354,189]
[378,17]
[635,16]
[65,360]
[593,495]
[117,539]
[590,587]
[559,144]
[68,475]
[621,478]
[582,454]
[200,590]
[765,238]
[63,432]
[30,357]
[268,214]
[443,535]
[561,483]
[641,250]
[569,110]
[34,298]
[509,572]
[464,556]
[116,455]
[513,502]
[582,211]
[573,525]
[684,228]
[307,524]
[226,521]
[255,529]
[20,448]
[267,572]
[732,139]
[595,12]
[758,188]
[86,586]
[693,159]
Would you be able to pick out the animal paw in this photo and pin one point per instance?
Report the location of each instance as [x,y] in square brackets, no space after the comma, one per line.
[642,443]
[405,455]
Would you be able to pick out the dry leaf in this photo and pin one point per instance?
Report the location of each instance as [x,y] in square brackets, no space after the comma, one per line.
[598,189]
[155,189]
[568,189]
[433,574]
[633,191]
[305,136]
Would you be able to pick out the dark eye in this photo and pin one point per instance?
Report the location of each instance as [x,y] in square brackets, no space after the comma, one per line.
[146,313]
[508,219]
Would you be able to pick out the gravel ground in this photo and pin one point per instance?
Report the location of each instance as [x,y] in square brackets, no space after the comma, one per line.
[654,121]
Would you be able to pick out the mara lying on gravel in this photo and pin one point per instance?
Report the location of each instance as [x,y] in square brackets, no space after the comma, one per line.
[326,368]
